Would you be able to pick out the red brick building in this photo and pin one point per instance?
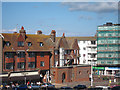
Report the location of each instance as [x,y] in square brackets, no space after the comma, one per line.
[33,53]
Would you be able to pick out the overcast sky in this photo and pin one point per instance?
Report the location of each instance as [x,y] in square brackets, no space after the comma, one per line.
[71,18]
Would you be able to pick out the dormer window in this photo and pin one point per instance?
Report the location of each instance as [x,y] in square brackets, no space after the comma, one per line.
[20,44]
[7,43]
[29,44]
[41,44]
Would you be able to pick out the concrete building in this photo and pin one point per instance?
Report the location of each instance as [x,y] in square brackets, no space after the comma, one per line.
[108,49]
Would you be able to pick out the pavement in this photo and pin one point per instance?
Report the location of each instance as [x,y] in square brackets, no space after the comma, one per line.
[87,83]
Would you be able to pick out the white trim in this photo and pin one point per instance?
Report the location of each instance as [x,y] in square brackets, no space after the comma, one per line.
[20,74]
[1,35]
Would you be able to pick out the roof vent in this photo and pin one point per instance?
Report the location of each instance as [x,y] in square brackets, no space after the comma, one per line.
[108,24]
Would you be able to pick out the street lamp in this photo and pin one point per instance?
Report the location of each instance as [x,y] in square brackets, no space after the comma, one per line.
[91,75]
[24,73]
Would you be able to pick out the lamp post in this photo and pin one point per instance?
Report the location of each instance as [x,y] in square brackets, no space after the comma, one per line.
[24,73]
[91,75]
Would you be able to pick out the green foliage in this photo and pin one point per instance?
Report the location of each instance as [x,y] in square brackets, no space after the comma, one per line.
[105,78]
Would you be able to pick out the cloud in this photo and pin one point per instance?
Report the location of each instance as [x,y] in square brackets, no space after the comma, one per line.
[9,30]
[98,7]
[85,17]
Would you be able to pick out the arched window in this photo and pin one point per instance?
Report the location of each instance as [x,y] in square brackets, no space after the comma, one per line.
[63,77]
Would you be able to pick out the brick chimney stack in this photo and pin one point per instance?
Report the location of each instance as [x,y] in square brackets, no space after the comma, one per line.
[53,35]
[39,32]
[22,32]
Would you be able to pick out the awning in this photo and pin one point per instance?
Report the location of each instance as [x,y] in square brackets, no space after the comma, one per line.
[99,68]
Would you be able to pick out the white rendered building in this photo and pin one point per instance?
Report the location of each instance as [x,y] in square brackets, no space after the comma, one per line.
[88,50]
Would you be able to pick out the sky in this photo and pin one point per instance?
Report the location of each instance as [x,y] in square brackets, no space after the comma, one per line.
[72,18]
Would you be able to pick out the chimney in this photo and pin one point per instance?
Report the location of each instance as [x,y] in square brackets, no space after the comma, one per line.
[39,32]
[63,35]
[15,32]
[22,32]
[53,35]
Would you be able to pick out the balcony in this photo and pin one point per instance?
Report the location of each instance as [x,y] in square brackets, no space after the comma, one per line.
[92,58]
[92,50]
[92,45]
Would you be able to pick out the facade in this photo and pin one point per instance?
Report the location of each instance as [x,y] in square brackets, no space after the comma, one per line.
[88,49]
[67,66]
[22,52]
[108,53]
[35,56]
[73,73]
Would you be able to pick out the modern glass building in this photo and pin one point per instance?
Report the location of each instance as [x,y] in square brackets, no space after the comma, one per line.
[108,41]
[108,45]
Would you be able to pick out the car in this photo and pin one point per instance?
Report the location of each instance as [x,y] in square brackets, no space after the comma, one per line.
[33,86]
[104,87]
[117,75]
[96,88]
[21,87]
[47,85]
[66,88]
[80,87]
[116,88]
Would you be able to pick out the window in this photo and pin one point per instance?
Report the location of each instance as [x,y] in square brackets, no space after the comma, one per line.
[7,43]
[83,55]
[41,44]
[9,65]
[31,64]
[42,63]
[20,44]
[80,72]
[56,52]
[21,54]
[66,52]
[41,54]
[21,65]
[29,44]
[84,48]
[31,54]
[9,55]
[93,42]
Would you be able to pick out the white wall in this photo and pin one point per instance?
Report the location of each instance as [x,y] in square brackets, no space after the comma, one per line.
[87,50]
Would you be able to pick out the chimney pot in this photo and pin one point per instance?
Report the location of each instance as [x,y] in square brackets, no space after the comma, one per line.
[39,32]
[22,28]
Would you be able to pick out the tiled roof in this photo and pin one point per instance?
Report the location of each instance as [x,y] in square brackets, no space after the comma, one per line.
[66,43]
[83,38]
[33,38]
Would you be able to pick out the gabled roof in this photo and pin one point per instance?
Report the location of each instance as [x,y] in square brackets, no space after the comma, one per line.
[33,38]
[66,43]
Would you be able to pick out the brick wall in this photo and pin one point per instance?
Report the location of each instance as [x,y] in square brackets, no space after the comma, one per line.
[37,59]
[76,73]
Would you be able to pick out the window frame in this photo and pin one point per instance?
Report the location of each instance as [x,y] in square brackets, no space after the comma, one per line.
[31,64]
[20,44]
[42,63]
[7,43]
[41,44]
[29,44]
[9,66]
[21,55]
[20,66]
[31,54]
